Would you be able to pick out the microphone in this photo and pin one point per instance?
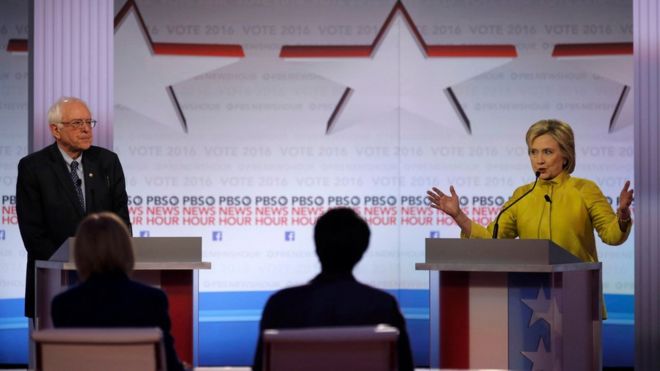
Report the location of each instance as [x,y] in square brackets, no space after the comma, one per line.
[549,201]
[497,220]
[79,183]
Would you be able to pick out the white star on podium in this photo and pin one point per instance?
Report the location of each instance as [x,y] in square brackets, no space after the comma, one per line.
[556,331]
[547,310]
[542,360]
[541,308]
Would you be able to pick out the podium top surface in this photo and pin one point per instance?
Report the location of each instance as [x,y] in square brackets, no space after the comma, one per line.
[148,250]
[144,266]
[502,255]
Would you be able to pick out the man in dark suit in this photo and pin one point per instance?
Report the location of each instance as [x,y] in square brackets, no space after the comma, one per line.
[335,297]
[60,184]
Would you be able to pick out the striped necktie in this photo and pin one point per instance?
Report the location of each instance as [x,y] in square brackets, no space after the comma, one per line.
[77,183]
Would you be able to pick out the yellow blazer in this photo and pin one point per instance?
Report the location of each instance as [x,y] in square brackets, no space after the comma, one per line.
[577,207]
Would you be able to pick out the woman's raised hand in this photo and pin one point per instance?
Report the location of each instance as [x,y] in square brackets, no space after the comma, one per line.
[443,202]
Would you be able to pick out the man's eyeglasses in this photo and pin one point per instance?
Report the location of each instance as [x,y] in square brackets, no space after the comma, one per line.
[78,124]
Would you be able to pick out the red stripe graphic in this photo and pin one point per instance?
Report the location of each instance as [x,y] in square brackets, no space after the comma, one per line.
[200,50]
[593,49]
[479,51]
[17,45]
[211,50]
[455,320]
[366,51]
[336,51]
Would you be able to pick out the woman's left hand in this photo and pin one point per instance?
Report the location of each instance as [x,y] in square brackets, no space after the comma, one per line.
[625,200]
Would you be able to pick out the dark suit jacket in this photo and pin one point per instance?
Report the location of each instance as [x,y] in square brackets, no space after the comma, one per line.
[334,300]
[47,206]
[114,300]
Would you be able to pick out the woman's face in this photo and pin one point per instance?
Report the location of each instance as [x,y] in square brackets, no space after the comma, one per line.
[546,157]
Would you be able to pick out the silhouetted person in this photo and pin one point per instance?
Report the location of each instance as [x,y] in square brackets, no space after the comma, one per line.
[107,297]
[335,297]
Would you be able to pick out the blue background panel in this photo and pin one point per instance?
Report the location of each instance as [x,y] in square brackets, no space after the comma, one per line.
[229,322]
[13,332]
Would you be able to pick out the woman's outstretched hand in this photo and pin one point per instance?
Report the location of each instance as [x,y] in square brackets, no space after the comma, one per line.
[625,200]
[443,202]
[626,197]
[450,205]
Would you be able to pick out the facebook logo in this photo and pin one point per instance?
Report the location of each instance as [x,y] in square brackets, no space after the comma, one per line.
[217,235]
[289,236]
[434,234]
[144,233]
[2,234]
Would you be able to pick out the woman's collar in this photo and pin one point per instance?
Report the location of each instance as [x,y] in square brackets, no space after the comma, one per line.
[558,180]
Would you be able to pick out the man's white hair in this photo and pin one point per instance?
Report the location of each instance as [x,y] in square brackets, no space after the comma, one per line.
[55,111]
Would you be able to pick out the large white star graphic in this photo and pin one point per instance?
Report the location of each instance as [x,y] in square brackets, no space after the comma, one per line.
[399,75]
[143,81]
[616,67]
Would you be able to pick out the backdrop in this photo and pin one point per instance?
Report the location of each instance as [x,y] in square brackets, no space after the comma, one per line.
[243,121]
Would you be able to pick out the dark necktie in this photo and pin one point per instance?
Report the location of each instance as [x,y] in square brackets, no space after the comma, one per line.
[77,183]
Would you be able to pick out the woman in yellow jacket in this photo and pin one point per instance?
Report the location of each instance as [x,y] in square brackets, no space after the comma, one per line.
[560,208]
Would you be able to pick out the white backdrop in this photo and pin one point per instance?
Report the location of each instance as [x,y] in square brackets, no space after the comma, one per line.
[248,160]
[257,152]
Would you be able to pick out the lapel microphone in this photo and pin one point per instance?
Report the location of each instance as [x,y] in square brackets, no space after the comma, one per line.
[497,220]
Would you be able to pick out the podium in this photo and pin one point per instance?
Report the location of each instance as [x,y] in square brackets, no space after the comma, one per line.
[512,304]
[170,263]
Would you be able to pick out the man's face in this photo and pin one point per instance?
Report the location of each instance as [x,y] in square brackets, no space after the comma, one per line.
[73,140]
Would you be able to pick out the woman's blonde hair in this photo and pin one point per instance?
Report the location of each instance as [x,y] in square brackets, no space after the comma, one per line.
[103,245]
[559,131]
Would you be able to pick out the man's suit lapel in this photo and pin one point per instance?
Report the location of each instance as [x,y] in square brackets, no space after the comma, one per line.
[92,180]
[58,165]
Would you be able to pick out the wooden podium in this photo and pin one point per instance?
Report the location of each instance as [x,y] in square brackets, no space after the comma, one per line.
[512,304]
[170,263]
